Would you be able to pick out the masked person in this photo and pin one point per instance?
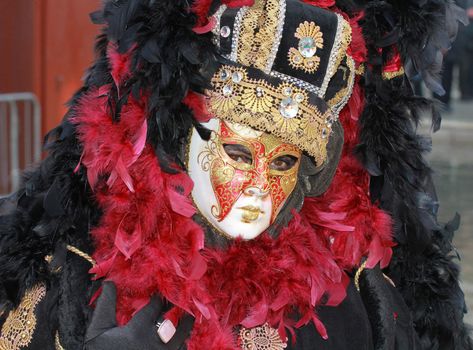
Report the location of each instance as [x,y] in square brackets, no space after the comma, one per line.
[239,174]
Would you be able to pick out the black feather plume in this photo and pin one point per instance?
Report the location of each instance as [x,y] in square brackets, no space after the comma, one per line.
[423,264]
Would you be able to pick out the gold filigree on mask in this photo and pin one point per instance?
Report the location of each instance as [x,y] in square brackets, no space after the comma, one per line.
[229,178]
[310,40]
[283,111]
[270,142]
[221,172]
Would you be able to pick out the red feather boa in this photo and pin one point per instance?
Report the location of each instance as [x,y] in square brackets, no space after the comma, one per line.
[147,242]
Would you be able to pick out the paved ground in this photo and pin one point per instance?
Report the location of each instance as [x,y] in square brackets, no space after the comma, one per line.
[452,161]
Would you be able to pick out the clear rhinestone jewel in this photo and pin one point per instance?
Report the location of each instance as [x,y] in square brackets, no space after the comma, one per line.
[225,31]
[224,75]
[330,121]
[259,91]
[324,133]
[287,91]
[288,108]
[237,76]
[307,47]
[227,90]
[299,97]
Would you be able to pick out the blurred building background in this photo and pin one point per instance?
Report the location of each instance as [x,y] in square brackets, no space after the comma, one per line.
[46,46]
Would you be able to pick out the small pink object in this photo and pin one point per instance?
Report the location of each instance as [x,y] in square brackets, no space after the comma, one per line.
[166,330]
[470,12]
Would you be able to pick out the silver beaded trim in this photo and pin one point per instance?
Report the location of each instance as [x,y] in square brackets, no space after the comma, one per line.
[351,82]
[216,30]
[236,33]
[277,41]
[331,69]
[298,82]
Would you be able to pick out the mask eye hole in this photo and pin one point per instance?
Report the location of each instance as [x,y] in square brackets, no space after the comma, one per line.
[283,163]
[238,153]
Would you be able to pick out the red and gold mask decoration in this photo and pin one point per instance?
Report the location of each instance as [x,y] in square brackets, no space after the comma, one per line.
[242,177]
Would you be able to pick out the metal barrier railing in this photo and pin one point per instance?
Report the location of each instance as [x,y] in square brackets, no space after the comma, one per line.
[20,137]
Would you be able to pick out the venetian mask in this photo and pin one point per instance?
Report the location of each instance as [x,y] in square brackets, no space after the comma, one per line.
[242,177]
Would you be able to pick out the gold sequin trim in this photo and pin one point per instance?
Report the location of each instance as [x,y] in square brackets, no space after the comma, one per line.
[341,97]
[339,50]
[18,329]
[342,44]
[283,111]
[392,75]
[261,338]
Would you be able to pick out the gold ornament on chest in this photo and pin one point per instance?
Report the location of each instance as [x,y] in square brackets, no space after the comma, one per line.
[261,338]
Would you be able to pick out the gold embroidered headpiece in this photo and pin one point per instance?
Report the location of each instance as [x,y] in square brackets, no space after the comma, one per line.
[272,105]
[286,70]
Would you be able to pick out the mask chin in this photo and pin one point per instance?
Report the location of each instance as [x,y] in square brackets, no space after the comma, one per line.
[249,192]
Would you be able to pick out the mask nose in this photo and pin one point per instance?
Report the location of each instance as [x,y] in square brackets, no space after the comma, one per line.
[255,191]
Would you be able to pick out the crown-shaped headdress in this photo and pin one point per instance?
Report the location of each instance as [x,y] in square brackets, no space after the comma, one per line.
[286,72]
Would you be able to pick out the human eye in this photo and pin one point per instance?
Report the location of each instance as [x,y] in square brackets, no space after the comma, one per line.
[238,153]
[283,163]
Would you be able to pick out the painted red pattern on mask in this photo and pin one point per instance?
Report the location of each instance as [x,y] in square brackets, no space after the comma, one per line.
[245,176]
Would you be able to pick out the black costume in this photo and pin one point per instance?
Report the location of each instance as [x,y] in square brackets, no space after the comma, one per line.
[155,59]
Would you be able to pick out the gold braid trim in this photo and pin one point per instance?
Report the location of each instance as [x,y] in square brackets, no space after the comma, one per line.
[81,254]
[57,343]
[389,280]
[358,274]
[18,329]
[392,75]
[361,269]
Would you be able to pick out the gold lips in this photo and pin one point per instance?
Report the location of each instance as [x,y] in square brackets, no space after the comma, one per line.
[250,213]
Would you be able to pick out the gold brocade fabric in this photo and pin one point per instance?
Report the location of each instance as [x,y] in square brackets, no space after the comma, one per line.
[18,329]
[283,111]
[257,36]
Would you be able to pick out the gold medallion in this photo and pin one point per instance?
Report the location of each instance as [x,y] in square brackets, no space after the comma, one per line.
[261,338]
[310,40]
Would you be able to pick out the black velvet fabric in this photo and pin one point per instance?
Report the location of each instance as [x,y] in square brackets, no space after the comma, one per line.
[390,318]
[227,20]
[375,319]
[296,13]
[139,333]
[348,327]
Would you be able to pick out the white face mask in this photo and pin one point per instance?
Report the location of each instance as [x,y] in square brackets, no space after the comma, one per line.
[242,177]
